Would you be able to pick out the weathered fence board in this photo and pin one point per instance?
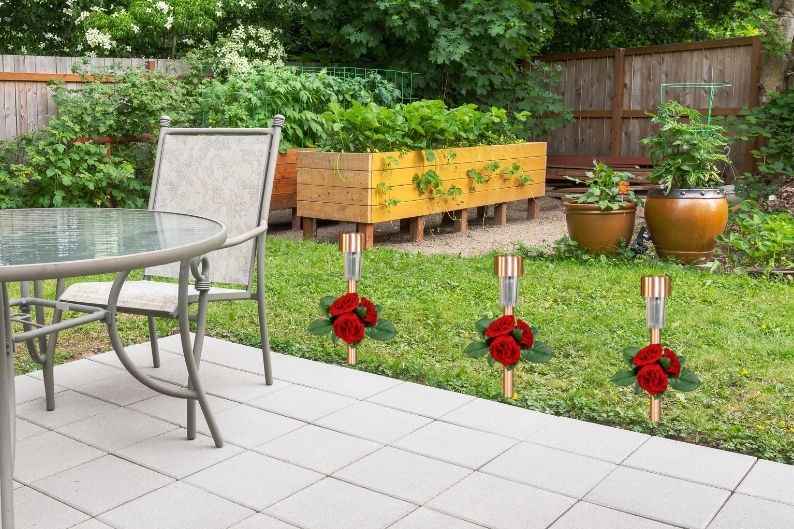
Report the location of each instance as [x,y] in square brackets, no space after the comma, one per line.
[611,92]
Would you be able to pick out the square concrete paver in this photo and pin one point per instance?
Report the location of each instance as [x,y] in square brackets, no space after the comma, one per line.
[594,440]
[25,429]
[49,453]
[174,455]
[116,429]
[585,515]
[34,510]
[237,385]
[92,524]
[423,518]
[221,352]
[254,480]
[140,354]
[773,481]
[373,422]
[334,504]
[260,521]
[175,410]
[747,512]
[302,402]
[498,418]
[248,427]
[658,497]
[691,462]
[30,388]
[79,372]
[421,400]
[69,407]
[119,389]
[403,475]
[501,504]
[318,448]
[102,484]
[177,506]
[546,468]
[455,444]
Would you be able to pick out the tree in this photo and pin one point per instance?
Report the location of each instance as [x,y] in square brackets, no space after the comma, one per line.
[778,65]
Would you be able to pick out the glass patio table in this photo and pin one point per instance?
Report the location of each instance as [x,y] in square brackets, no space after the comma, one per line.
[38,244]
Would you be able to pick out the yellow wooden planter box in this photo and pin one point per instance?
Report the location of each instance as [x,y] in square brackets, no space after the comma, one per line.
[363,187]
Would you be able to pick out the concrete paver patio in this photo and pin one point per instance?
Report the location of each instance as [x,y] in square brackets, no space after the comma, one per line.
[328,447]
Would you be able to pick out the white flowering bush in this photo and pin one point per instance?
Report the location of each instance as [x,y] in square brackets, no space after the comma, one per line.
[247,47]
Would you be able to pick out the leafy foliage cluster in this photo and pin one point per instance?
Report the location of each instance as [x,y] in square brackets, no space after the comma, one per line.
[49,168]
[251,98]
[685,151]
[760,239]
[421,125]
[604,186]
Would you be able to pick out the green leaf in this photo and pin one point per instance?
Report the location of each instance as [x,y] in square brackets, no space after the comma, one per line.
[321,327]
[628,354]
[540,353]
[518,334]
[624,378]
[687,381]
[476,349]
[483,324]
[326,302]
[383,331]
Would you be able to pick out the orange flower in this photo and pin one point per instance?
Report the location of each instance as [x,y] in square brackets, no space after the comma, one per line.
[623,188]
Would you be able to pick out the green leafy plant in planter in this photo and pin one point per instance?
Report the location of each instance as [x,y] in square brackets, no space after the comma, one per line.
[688,212]
[601,219]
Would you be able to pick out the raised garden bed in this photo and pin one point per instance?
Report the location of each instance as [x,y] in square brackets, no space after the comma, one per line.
[285,185]
[368,188]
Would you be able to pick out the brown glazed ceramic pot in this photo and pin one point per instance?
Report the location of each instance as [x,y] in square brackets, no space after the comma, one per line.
[600,231]
[684,223]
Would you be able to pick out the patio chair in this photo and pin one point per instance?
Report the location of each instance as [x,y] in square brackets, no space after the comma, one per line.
[224,174]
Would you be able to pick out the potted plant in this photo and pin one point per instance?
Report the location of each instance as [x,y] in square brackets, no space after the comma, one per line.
[686,215]
[603,216]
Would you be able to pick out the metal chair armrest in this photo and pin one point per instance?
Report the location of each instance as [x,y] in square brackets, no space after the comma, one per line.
[243,237]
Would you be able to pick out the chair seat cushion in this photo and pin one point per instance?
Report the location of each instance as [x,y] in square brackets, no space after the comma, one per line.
[142,296]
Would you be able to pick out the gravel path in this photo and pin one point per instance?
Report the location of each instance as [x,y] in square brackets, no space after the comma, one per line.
[440,238]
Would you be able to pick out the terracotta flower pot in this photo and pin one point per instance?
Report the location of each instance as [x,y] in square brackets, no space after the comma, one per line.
[597,230]
[684,223]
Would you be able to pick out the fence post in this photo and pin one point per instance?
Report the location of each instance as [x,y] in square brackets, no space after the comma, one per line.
[151,64]
[755,88]
[618,82]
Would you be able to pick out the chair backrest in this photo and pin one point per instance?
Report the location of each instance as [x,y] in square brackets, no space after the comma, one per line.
[224,174]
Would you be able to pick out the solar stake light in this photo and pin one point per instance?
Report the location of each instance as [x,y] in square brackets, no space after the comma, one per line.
[655,290]
[508,268]
[352,246]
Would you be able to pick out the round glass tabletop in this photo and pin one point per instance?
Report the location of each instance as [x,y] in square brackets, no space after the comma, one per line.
[50,243]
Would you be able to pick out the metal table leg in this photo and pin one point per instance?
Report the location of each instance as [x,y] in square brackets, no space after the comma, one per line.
[7,413]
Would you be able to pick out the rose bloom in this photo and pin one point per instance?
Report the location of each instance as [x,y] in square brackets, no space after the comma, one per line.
[652,379]
[505,350]
[528,339]
[349,328]
[371,317]
[344,304]
[501,326]
[674,369]
[647,355]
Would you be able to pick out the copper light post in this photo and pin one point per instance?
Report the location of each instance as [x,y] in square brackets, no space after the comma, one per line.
[351,245]
[655,290]
[508,268]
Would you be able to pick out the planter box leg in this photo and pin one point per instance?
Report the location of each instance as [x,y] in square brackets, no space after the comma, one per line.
[405,225]
[533,208]
[369,234]
[417,229]
[296,220]
[461,220]
[482,212]
[309,228]
[500,214]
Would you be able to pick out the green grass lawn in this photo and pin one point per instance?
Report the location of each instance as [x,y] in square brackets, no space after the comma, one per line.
[735,331]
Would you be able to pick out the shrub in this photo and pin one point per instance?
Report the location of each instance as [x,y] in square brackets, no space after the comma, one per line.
[757,238]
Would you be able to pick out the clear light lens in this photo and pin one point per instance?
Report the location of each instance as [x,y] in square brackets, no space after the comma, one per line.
[508,291]
[654,313]
[352,266]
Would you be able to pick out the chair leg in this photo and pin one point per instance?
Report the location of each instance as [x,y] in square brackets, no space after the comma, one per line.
[263,335]
[153,341]
[48,368]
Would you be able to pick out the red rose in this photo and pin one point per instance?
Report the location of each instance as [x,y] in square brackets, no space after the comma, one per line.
[652,379]
[649,354]
[349,329]
[371,315]
[501,326]
[343,305]
[674,369]
[505,350]
[527,339]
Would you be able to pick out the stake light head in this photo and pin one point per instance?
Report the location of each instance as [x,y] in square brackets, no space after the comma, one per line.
[352,246]
[655,290]
[508,268]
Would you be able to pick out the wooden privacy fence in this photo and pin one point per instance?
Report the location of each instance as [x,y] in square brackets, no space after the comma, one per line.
[611,92]
[26,102]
